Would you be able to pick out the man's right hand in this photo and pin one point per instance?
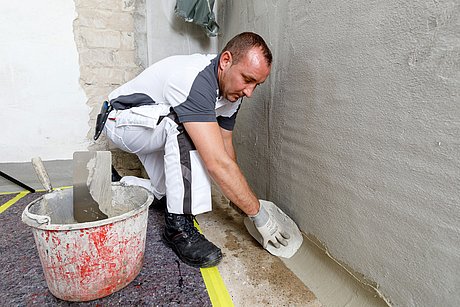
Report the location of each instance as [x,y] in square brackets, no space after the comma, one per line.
[269,228]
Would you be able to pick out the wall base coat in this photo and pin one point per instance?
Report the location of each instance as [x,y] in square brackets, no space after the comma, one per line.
[355,134]
[332,283]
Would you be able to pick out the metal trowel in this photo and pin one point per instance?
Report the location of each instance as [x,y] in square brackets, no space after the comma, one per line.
[91,185]
[288,225]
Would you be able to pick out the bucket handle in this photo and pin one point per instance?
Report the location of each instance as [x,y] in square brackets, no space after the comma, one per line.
[34,220]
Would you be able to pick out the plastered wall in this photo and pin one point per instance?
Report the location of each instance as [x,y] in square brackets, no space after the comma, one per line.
[43,110]
[170,35]
[356,134]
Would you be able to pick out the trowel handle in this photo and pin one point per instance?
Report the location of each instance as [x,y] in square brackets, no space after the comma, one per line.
[42,174]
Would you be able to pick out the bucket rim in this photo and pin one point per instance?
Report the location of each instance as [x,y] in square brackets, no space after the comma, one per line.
[43,221]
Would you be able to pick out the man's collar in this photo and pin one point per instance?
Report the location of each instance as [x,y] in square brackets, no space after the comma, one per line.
[216,72]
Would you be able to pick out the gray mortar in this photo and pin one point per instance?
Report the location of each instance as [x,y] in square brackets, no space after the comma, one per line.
[356,134]
[58,206]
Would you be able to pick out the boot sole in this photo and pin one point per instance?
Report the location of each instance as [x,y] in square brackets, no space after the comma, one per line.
[195,264]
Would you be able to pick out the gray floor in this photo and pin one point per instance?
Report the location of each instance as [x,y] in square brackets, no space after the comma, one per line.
[59,171]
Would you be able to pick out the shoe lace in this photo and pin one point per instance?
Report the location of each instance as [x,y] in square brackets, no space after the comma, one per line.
[190,228]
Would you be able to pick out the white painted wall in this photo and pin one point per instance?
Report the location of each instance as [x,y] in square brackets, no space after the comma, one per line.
[356,134]
[43,108]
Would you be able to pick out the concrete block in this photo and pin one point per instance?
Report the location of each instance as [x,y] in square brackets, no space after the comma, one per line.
[126,58]
[104,34]
[94,18]
[98,93]
[127,41]
[99,4]
[128,5]
[131,73]
[95,38]
[105,19]
[104,76]
[121,21]
[97,57]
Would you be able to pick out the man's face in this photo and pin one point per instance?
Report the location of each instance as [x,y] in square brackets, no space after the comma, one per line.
[239,80]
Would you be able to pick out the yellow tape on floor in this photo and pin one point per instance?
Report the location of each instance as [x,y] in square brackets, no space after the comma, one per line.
[217,291]
[7,193]
[12,201]
[60,188]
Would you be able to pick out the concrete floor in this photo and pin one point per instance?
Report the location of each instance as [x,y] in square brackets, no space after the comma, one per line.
[59,171]
[251,275]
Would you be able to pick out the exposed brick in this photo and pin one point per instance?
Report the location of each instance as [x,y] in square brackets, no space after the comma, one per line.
[99,92]
[106,19]
[121,22]
[94,18]
[100,4]
[131,73]
[95,38]
[104,76]
[126,58]
[104,34]
[128,5]
[127,41]
[97,57]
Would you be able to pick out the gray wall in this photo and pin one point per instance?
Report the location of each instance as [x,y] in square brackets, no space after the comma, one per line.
[356,134]
[169,35]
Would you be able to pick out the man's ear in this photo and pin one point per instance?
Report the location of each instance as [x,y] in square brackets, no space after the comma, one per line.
[225,60]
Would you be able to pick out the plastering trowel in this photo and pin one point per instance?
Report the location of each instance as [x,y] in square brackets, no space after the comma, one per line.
[42,174]
[287,224]
[91,185]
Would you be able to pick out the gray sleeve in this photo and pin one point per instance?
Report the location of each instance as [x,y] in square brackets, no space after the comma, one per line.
[228,123]
[200,104]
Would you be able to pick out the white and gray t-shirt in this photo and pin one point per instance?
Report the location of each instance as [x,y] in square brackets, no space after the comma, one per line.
[187,83]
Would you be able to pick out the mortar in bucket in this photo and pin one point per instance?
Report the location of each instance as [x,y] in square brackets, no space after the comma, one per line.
[86,261]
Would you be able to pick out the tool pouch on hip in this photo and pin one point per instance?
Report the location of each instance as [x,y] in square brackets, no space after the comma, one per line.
[102,118]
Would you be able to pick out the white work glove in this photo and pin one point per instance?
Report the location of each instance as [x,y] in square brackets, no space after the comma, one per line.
[269,228]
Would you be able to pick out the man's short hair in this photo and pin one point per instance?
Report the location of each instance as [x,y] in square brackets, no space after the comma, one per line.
[239,45]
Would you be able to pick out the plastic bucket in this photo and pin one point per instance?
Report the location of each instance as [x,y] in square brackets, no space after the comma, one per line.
[86,261]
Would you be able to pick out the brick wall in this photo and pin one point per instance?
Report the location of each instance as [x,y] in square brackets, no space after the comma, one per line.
[107,34]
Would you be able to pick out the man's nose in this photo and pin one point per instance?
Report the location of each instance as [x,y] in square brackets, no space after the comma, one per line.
[248,91]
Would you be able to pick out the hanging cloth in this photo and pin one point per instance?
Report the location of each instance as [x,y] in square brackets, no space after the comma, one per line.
[199,12]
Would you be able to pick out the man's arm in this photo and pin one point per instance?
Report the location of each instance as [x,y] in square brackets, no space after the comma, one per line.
[227,137]
[209,141]
[213,145]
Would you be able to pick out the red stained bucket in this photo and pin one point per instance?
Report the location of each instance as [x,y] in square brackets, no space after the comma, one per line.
[87,261]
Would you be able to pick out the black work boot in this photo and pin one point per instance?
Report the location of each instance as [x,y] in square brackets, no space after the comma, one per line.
[188,244]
